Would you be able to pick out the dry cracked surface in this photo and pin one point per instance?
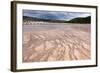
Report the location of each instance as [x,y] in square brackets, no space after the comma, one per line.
[58,42]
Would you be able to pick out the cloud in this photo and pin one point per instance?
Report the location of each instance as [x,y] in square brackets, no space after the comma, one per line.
[59,15]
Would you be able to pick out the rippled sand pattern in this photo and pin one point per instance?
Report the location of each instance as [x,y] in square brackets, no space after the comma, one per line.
[65,42]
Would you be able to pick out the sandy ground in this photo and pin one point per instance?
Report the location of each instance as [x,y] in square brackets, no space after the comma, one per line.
[57,42]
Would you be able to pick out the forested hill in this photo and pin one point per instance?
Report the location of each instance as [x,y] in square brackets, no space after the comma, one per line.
[81,20]
[74,20]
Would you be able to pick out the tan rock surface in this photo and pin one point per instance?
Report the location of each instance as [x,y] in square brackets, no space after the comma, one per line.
[56,44]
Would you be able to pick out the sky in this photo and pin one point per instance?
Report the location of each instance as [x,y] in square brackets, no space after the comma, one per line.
[56,15]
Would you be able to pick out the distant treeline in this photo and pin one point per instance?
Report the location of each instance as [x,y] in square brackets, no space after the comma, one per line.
[81,20]
[74,20]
